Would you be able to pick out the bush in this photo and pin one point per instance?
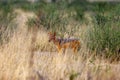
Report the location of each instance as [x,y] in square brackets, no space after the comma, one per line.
[104,36]
[52,16]
[104,39]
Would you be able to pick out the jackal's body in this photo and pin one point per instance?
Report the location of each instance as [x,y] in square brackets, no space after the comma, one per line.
[64,43]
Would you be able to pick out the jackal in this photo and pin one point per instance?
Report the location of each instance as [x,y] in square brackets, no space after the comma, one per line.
[62,44]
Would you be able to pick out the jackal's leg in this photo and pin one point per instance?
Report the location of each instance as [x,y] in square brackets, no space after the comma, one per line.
[74,49]
[64,50]
[77,47]
[59,50]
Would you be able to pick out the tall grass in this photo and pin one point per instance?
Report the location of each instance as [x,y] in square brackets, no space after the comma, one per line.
[7,25]
[102,36]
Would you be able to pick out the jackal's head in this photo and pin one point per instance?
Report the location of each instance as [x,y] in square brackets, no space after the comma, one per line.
[51,36]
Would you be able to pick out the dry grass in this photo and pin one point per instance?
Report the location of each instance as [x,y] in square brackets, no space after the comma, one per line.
[15,58]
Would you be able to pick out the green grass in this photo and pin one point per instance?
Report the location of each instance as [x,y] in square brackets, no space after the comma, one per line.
[105,39]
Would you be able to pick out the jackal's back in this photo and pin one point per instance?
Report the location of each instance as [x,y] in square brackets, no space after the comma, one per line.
[69,43]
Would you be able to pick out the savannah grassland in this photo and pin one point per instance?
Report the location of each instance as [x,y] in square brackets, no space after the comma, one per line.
[26,54]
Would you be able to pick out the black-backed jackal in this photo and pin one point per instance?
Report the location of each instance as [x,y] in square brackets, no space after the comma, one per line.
[62,44]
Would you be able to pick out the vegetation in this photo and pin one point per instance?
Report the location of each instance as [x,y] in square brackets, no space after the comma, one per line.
[7,26]
[56,16]
[105,40]
[96,24]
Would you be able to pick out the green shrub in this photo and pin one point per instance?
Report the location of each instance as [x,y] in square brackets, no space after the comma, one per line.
[104,36]
[104,39]
[51,16]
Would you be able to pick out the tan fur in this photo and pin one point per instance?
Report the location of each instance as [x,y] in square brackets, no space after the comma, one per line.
[63,44]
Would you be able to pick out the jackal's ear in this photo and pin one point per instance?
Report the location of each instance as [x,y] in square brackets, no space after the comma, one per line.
[54,33]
